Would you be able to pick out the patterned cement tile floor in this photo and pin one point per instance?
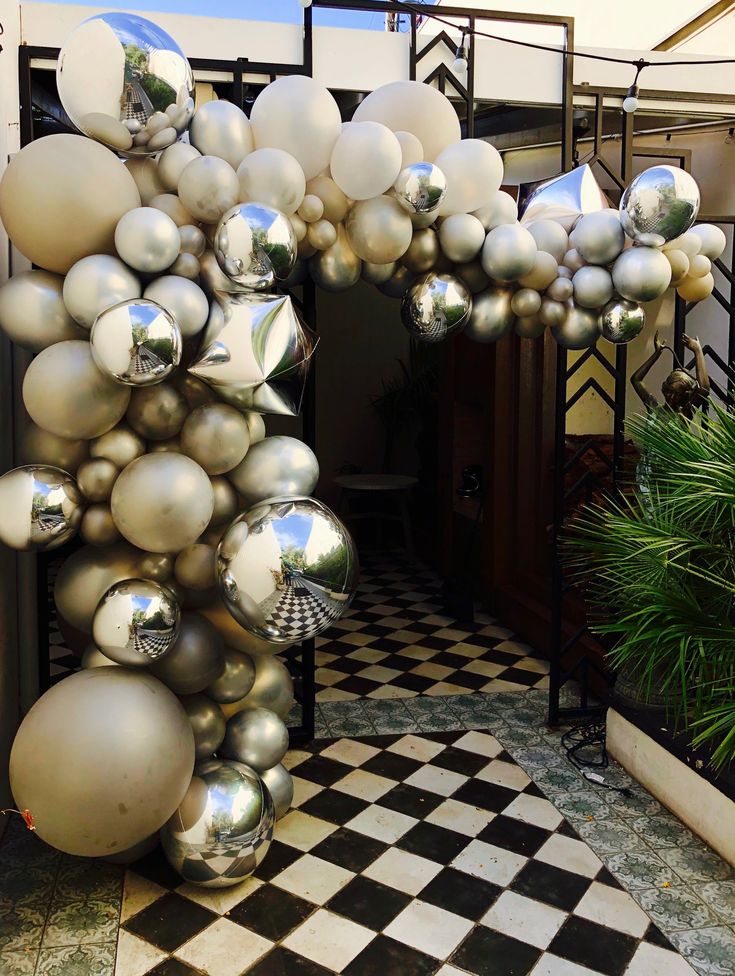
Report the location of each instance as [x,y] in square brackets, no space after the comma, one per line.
[426,848]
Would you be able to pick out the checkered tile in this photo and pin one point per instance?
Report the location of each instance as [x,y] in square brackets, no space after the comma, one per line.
[416,854]
[298,605]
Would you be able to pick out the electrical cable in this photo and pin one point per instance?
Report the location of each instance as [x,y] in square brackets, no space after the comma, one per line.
[586,736]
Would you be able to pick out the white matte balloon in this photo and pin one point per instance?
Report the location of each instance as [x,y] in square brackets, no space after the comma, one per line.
[474,172]
[366,160]
[147,239]
[183,299]
[97,283]
[379,230]
[679,266]
[273,177]
[221,129]
[334,203]
[551,237]
[172,162]
[297,114]
[690,243]
[713,240]
[461,237]
[33,313]
[699,266]
[509,253]
[208,187]
[502,209]
[696,289]
[543,272]
[411,149]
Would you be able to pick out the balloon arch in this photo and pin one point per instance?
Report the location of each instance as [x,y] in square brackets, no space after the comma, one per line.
[160,340]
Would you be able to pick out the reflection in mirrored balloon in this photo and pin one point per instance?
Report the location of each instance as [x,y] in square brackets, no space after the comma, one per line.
[137,342]
[436,306]
[136,622]
[40,507]
[255,245]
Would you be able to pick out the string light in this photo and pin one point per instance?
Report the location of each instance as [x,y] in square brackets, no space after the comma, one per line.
[460,63]
[304,3]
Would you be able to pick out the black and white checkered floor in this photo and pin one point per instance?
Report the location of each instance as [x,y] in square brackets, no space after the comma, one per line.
[404,855]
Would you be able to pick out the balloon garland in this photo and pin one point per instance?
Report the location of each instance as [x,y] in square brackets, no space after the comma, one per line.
[160,341]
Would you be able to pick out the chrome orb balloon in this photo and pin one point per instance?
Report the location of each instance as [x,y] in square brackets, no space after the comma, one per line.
[641,274]
[563,198]
[277,465]
[137,342]
[436,306]
[207,724]
[280,786]
[136,622]
[126,83]
[255,246]
[660,204]
[578,330]
[287,569]
[40,507]
[492,315]
[223,827]
[620,320]
[420,188]
[256,737]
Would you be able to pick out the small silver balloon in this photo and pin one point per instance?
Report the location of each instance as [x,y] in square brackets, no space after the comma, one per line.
[207,724]
[337,267]
[641,274]
[136,622]
[492,315]
[420,188]
[436,306]
[621,320]
[529,327]
[560,290]
[552,312]
[579,330]
[525,302]
[280,786]
[272,688]
[509,253]
[147,239]
[137,342]
[599,237]
[287,569]
[40,507]
[660,204]
[378,274]
[196,658]
[593,286]
[256,737]
[398,283]
[277,465]
[255,246]
[223,827]
[236,680]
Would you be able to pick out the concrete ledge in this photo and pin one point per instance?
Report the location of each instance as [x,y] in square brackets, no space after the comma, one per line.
[699,804]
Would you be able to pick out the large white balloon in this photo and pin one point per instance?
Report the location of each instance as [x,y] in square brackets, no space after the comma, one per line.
[366,160]
[501,209]
[474,172]
[300,116]
[273,177]
[221,129]
[208,187]
[172,162]
[412,106]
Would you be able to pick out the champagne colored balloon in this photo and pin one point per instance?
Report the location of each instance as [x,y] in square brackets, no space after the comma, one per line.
[699,266]
[379,230]
[411,149]
[96,477]
[162,502]
[491,317]
[95,284]
[299,227]
[399,283]
[61,198]
[194,567]
[39,446]
[641,274]
[193,240]
[473,275]
[40,507]
[208,188]
[560,290]
[94,658]
[157,412]
[474,172]
[170,446]
[550,237]
[272,177]
[222,129]
[279,782]
[134,853]
[422,253]
[170,204]
[311,208]
[501,209]
[592,287]
[147,240]
[207,724]
[256,425]
[98,527]
[552,313]
[305,251]
[186,266]
[172,162]
[213,279]
[277,465]
[509,253]
[573,260]
[183,299]
[92,787]
[196,658]
[713,240]
[690,243]
[236,636]
[297,114]
[679,262]
[338,267]
[412,106]
[65,393]
[272,687]
[321,234]
[366,160]
[696,289]
[121,445]
[157,566]
[146,178]
[529,327]
[256,737]
[334,201]
[235,681]
[578,330]
[377,274]
[525,302]
[225,500]
[461,237]
[86,575]
[544,271]
[216,436]
[564,272]
[32,311]
[599,237]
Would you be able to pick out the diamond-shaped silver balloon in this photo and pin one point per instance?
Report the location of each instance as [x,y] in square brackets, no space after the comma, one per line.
[564,199]
[256,352]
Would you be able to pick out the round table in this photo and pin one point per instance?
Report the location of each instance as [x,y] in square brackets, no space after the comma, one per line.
[397,486]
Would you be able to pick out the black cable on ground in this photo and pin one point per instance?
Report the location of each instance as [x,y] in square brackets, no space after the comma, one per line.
[588,736]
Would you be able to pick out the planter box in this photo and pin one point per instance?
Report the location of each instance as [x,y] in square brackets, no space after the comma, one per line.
[694,798]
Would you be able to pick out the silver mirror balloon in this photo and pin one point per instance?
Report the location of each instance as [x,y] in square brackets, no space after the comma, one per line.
[223,827]
[126,83]
[40,507]
[660,204]
[255,246]
[256,354]
[287,569]
[137,342]
[420,188]
[136,622]
[621,321]
[435,306]
[563,199]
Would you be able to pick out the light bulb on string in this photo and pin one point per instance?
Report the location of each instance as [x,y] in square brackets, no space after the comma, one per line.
[304,3]
[630,102]
[460,63]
